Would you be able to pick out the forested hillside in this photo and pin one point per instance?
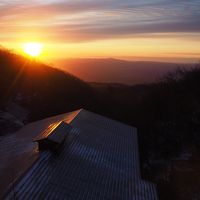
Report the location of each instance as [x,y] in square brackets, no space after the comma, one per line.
[43,90]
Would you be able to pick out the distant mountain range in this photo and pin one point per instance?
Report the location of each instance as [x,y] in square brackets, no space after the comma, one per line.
[117,71]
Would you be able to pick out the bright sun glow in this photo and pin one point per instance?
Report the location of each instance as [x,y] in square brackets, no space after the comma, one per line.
[33,49]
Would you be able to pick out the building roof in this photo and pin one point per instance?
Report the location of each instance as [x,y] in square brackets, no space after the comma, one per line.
[18,151]
[99,160]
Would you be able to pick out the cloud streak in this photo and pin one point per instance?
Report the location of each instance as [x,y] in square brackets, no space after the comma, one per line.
[94,20]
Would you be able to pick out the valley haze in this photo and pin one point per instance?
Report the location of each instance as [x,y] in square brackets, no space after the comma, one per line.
[109,70]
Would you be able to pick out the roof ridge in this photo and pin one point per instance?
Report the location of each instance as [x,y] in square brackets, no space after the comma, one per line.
[76,115]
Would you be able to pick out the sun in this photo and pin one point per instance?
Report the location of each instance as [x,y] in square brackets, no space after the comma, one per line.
[33,49]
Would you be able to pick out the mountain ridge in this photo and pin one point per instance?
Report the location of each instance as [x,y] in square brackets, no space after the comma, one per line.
[39,87]
[111,70]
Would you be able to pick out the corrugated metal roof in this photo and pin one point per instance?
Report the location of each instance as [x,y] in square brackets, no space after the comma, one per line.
[99,161]
[18,152]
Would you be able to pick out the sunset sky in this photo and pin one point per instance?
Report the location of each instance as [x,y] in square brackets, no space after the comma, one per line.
[158,29]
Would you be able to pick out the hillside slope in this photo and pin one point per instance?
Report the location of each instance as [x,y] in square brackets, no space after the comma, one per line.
[39,87]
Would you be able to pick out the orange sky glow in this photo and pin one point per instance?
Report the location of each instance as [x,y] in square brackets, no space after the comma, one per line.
[141,30]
